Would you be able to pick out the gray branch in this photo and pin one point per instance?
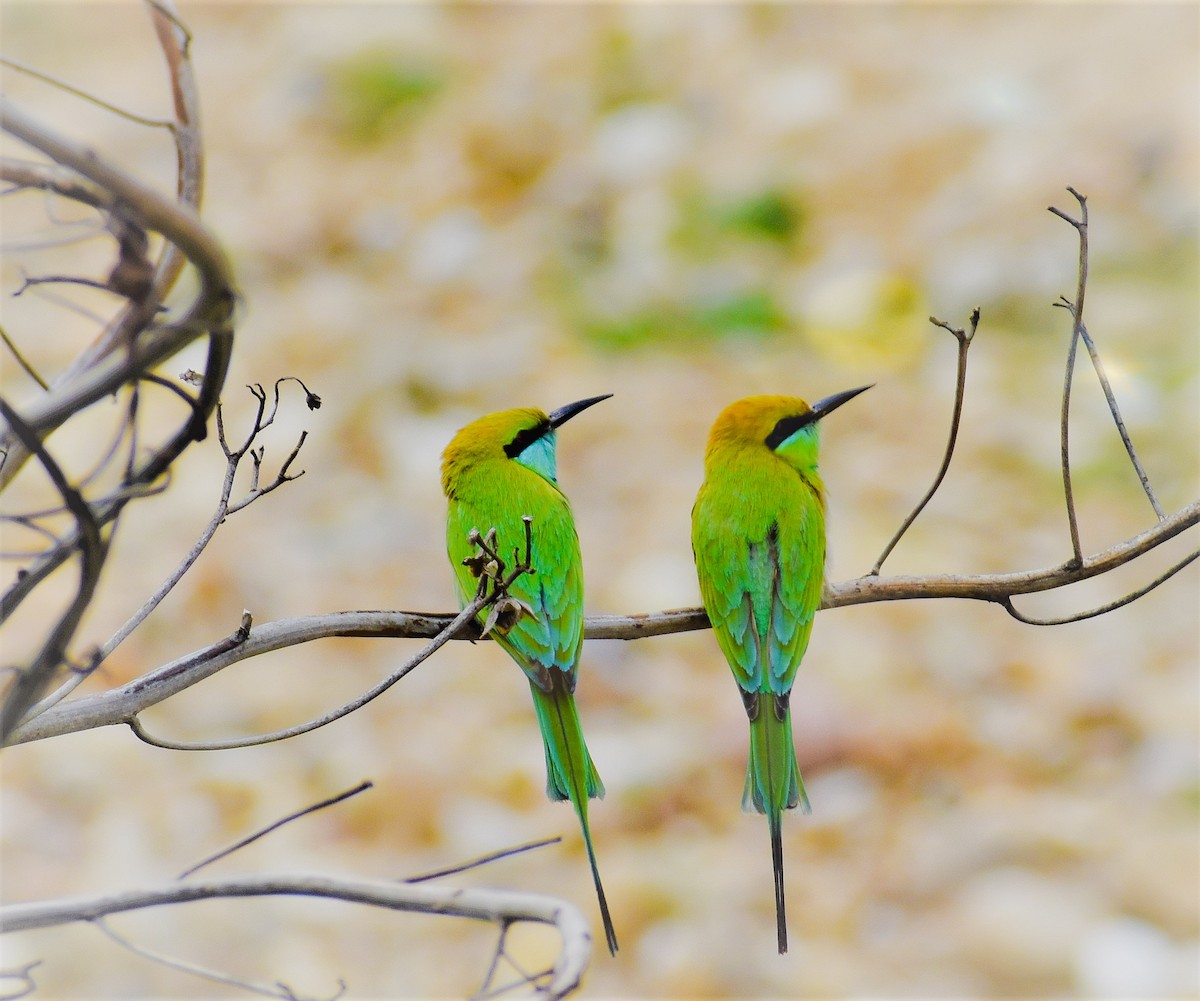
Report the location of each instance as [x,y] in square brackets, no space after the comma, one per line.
[501,907]
[120,705]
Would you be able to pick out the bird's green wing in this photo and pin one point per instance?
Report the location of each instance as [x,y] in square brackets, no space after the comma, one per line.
[761,593]
[799,557]
[721,567]
[549,638]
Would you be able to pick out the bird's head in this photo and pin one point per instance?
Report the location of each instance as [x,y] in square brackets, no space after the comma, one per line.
[523,435]
[785,425]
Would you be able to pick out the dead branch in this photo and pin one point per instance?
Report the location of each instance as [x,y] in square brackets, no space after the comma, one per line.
[130,210]
[209,315]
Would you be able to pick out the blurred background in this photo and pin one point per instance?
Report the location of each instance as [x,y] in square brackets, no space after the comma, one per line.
[439,211]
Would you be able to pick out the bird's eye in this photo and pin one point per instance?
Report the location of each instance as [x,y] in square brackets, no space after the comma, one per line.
[785,427]
[526,437]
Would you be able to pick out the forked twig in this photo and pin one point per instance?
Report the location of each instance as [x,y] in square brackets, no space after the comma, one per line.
[1081,227]
[964,339]
[525,979]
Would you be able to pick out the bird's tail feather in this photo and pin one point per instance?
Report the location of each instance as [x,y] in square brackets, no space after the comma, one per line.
[773,784]
[567,757]
[775,822]
[773,781]
[571,774]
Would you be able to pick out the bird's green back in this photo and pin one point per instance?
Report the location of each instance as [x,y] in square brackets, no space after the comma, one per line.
[758,533]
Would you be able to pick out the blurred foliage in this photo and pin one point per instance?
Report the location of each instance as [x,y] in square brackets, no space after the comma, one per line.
[751,314]
[750,241]
[773,216]
[377,92]
[622,76]
[870,320]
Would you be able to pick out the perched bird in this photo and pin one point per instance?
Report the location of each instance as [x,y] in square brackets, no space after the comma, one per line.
[758,536]
[496,472]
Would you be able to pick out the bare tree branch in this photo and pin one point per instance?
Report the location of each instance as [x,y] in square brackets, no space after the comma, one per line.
[120,705]
[209,314]
[501,907]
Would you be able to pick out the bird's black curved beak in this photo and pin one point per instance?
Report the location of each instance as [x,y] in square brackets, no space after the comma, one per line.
[564,414]
[831,403]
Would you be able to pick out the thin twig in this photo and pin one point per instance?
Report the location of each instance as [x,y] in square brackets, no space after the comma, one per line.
[1117,419]
[44,293]
[456,624]
[279,990]
[66,88]
[1081,227]
[172,385]
[497,954]
[499,592]
[482,860]
[28,283]
[26,367]
[525,979]
[1091,613]
[123,428]
[964,339]
[30,521]
[175,41]
[251,838]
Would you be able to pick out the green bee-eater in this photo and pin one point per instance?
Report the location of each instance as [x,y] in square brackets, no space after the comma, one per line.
[495,472]
[758,536]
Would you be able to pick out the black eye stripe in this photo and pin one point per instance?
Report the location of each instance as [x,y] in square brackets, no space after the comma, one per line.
[785,427]
[526,437]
